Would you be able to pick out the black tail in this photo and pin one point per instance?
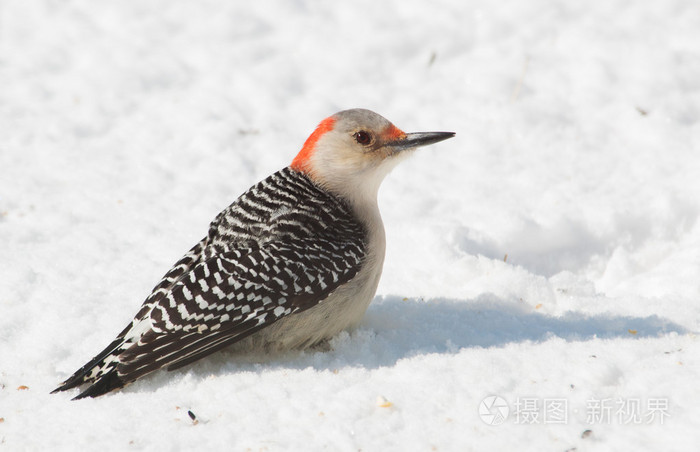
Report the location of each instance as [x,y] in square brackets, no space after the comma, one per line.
[106,383]
[82,375]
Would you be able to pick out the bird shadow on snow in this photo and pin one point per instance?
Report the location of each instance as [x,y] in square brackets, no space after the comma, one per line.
[395,328]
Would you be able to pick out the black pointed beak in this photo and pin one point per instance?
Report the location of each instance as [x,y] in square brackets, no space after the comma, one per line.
[414,140]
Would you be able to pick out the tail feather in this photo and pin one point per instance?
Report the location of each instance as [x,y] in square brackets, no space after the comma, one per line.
[106,383]
[83,375]
[124,361]
[103,371]
[174,351]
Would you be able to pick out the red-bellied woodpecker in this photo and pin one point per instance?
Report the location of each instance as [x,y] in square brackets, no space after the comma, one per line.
[293,261]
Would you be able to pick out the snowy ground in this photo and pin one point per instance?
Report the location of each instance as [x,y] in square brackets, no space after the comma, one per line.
[126,126]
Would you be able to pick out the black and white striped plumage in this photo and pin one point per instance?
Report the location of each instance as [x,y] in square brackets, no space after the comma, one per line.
[293,261]
[281,248]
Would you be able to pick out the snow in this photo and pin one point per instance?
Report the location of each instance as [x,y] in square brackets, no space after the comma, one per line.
[550,251]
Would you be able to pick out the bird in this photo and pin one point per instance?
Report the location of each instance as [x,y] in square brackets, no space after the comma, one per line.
[292,262]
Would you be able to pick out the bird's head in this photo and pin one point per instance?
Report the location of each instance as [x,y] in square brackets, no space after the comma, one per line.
[352,151]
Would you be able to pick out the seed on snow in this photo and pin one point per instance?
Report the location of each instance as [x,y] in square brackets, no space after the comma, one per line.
[382,402]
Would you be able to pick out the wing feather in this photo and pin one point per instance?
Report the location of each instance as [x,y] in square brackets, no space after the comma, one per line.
[233,295]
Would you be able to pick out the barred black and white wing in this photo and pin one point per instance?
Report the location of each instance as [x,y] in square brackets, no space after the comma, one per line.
[266,257]
[104,362]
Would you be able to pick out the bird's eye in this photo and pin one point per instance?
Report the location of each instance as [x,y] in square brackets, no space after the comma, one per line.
[363,138]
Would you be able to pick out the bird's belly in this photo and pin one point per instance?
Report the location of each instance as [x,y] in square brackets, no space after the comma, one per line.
[343,309]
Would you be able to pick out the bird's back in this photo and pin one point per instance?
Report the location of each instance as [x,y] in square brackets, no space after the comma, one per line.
[286,205]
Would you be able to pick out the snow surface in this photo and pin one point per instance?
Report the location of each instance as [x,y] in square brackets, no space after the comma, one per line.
[125,127]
